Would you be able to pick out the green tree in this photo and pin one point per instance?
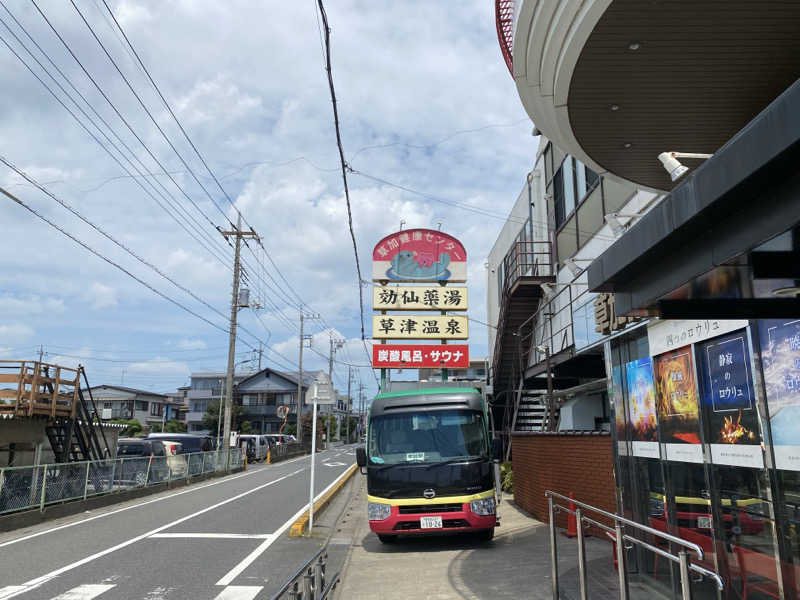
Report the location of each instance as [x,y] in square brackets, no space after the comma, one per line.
[172,426]
[211,417]
[133,428]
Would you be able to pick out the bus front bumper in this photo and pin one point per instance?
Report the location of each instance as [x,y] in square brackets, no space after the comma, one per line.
[432,519]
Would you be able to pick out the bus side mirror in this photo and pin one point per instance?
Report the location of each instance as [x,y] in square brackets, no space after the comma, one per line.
[497,449]
[361,456]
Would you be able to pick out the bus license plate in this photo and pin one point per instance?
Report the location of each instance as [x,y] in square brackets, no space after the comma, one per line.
[430,522]
[704,522]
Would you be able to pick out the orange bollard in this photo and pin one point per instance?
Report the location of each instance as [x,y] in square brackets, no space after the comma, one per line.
[572,525]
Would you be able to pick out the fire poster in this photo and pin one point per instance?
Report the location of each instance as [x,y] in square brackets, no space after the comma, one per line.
[642,408]
[728,401]
[676,405]
[780,363]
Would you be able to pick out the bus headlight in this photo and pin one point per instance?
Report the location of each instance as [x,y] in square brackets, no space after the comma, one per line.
[483,506]
[377,511]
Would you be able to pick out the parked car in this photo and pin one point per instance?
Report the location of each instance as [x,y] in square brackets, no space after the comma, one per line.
[175,459]
[256,446]
[191,442]
[143,461]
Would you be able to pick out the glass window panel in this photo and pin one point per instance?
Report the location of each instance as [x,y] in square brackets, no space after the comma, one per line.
[569,185]
[559,209]
[580,180]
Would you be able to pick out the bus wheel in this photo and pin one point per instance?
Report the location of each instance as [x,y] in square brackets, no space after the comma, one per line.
[486,535]
[387,539]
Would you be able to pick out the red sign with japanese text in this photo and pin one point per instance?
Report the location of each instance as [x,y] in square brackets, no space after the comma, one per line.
[409,356]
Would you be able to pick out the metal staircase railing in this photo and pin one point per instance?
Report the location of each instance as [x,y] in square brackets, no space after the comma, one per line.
[617,533]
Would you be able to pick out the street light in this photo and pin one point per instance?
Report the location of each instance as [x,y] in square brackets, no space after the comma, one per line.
[673,166]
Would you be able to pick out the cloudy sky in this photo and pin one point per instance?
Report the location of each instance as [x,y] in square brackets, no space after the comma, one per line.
[425,102]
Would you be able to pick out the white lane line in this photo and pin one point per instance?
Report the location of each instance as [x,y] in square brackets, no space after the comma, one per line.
[47,577]
[216,536]
[85,592]
[146,502]
[239,592]
[250,558]
[6,592]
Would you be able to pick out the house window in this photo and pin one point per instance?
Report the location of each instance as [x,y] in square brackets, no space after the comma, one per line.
[141,405]
[156,409]
[108,405]
[199,405]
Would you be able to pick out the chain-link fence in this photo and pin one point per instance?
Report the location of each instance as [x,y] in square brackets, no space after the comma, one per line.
[40,485]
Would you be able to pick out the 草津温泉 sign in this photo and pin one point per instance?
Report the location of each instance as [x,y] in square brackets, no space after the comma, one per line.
[419,255]
[405,356]
[419,298]
[417,327]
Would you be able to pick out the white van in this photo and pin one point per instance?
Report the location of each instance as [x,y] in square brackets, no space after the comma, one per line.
[255,446]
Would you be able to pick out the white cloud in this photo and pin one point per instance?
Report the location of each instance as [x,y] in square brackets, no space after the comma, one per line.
[187,344]
[102,296]
[15,332]
[159,366]
[30,305]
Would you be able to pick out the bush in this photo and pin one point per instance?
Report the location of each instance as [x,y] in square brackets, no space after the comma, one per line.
[507,477]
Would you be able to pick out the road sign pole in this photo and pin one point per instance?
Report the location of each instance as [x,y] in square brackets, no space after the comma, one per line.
[313,451]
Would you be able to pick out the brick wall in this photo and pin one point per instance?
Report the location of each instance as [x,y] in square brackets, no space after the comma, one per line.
[578,462]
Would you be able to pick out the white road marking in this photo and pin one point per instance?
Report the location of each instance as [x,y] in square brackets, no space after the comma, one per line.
[28,585]
[335,464]
[6,592]
[219,536]
[146,502]
[84,592]
[239,592]
[250,558]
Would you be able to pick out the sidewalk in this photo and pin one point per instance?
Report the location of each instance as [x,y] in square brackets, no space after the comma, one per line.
[516,564]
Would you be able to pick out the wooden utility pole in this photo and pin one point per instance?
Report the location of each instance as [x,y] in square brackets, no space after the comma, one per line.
[300,383]
[349,400]
[238,234]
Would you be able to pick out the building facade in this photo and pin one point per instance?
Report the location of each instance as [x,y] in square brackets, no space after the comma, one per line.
[119,402]
[697,291]
[260,394]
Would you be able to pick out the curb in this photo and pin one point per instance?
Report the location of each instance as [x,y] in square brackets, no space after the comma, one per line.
[299,526]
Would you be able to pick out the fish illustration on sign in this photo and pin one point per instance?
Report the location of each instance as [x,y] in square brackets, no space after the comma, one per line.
[419,255]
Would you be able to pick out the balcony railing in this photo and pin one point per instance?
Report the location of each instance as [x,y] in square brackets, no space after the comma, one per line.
[505,16]
[526,259]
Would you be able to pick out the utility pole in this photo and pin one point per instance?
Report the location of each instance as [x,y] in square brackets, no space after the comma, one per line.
[335,345]
[238,234]
[300,384]
[260,353]
[41,353]
[347,408]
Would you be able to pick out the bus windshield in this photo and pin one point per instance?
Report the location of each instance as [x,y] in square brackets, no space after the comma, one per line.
[425,437]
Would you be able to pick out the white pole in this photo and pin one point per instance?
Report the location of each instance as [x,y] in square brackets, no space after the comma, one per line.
[313,452]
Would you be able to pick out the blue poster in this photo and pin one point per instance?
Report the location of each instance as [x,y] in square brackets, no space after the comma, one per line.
[780,363]
[728,400]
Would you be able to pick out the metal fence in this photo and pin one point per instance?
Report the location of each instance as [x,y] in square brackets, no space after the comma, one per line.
[284,451]
[40,485]
[622,542]
[311,582]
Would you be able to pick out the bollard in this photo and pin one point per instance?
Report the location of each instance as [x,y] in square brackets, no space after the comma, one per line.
[572,530]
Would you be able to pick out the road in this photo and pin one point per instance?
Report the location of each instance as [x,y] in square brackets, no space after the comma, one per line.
[221,539]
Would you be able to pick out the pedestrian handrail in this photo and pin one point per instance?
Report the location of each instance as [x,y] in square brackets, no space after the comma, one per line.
[309,583]
[619,537]
[37,486]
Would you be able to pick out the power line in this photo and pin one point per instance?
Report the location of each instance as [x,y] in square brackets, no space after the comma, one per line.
[108,260]
[91,134]
[328,68]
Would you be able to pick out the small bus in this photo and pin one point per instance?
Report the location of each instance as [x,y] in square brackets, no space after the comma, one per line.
[429,463]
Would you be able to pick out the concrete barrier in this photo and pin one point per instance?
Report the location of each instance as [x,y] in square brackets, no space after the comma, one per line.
[299,526]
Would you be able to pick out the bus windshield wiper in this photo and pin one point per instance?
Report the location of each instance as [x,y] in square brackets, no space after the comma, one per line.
[453,461]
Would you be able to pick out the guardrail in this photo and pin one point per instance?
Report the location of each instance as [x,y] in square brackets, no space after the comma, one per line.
[619,537]
[37,486]
[284,451]
[309,583]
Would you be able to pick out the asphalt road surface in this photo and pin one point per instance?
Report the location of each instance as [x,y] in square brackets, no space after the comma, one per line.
[222,539]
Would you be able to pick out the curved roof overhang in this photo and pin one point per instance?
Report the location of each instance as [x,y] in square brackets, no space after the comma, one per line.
[617,82]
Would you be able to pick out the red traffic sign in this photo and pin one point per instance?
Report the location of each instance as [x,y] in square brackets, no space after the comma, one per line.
[410,356]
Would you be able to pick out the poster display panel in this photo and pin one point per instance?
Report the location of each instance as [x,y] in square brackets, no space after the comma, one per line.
[642,408]
[677,407]
[780,363]
[728,401]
